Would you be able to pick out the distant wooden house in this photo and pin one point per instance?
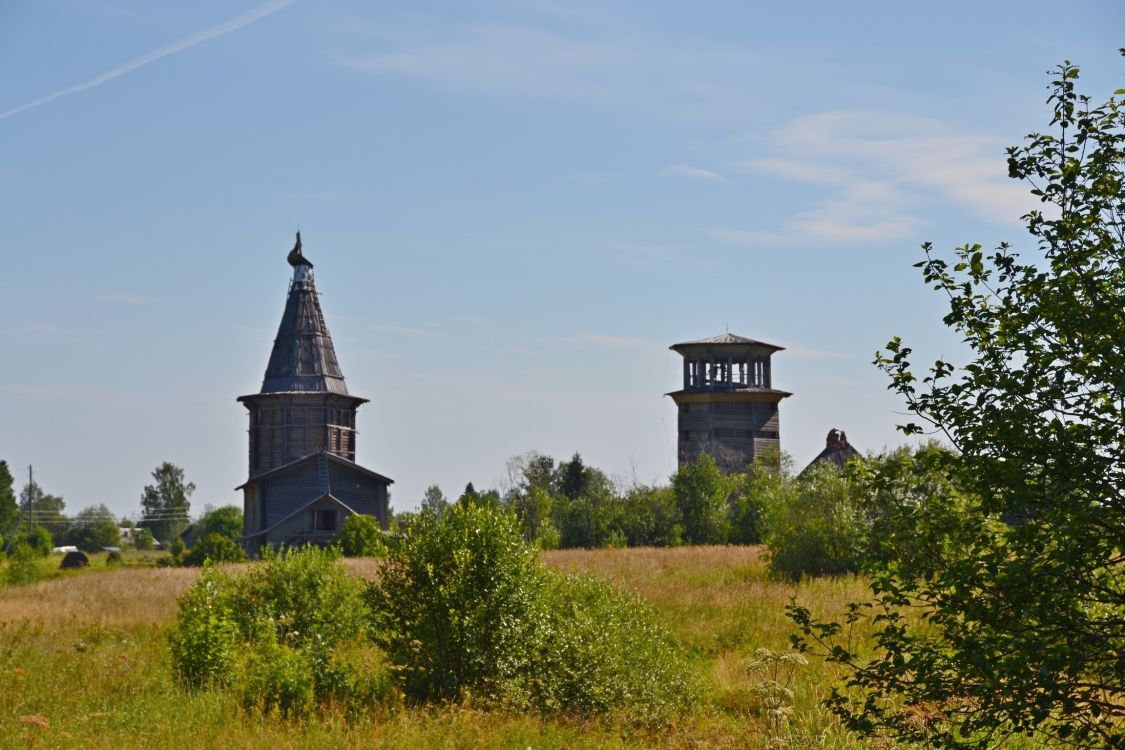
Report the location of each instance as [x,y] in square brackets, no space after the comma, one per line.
[728,407]
[837,451]
[303,477]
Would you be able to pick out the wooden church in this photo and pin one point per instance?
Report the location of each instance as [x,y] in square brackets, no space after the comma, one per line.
[304,480]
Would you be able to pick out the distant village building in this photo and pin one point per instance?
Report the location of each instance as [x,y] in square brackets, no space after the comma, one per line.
[728,407]
[837,450]
[303,477]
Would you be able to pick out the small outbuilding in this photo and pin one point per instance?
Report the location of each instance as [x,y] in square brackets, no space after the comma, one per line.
[837,450]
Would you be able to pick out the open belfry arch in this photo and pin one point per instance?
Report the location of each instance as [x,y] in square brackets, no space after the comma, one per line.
[728,407]
[303,477]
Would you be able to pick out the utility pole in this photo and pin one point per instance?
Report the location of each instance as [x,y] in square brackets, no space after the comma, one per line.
[30,497]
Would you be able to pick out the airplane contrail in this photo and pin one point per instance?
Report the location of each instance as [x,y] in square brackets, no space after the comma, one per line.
[187,42]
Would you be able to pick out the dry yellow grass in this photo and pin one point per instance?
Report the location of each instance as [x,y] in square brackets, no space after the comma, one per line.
[123,597]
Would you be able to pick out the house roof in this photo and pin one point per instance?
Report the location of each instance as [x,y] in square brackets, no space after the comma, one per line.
[726,339]
[327,456]
[837,450]
[303,358]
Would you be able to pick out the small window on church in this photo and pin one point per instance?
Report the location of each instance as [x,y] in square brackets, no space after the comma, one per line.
[324,519]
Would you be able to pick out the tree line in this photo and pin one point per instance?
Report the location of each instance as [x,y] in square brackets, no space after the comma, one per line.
[824,520]
[39,520]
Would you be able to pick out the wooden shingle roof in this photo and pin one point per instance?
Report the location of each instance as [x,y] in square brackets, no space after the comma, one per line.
[726,339]
[303,358]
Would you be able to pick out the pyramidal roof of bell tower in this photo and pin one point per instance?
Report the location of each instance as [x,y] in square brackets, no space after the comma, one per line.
[303,358]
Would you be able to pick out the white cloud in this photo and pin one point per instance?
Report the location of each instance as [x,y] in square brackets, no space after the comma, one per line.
[187,42]
[496,57]
[879,168]
[602,59]
[695,173]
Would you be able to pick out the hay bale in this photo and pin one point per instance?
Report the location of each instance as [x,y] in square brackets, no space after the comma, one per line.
[72,560]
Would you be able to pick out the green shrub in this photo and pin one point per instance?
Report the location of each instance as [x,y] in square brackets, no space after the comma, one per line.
[814,525]
[113,559]
[306,594]
[289,614]
[464,608]
[37,539]
[458,604]
[216,548]
[605,652]
[205,642]
[176,547]
[361,536]
[23,565]
[278,678]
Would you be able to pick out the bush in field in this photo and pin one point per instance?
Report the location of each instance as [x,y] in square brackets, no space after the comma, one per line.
[306,594]
[113,559]
[216,548]
[206,640]
[604,652]
[23,565]
[274,631]
[814,525]
[464,608]
[458,603]
[278,677]
[360,536]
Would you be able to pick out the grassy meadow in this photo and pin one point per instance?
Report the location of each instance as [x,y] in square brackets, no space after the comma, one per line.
[84,662]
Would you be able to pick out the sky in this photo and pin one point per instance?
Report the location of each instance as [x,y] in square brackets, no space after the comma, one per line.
[514,209]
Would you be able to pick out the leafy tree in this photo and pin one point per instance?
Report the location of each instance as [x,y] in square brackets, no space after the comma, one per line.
[1022,589]
[533,509]
[814,525]
[592,520]
[650,518]
[165,503]
[45,510]
[142,539]
[434,499]
[225,521]
[215,547]
[701,490]
[93,528]
[37,539]
[360,536]
[9,511]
